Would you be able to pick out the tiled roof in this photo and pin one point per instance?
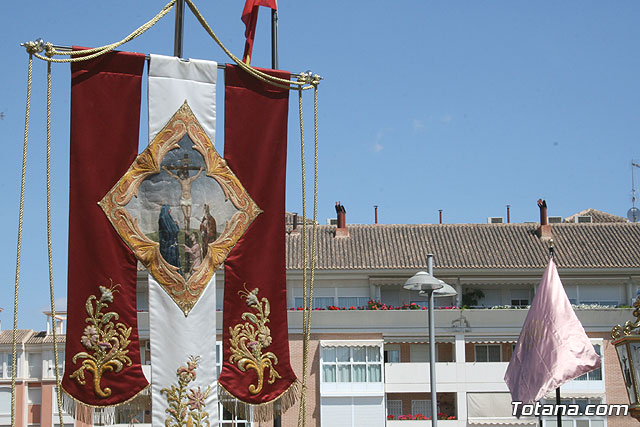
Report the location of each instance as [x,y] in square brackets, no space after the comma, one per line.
[474,246]
[42,337]
[596,216]
[6,337]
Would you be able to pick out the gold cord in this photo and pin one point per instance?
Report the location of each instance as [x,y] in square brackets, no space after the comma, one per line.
[308,285]
[307,301]
[98,51]
[19,249]
[53,305]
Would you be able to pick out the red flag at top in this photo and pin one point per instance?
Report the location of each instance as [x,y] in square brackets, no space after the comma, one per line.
[250,18]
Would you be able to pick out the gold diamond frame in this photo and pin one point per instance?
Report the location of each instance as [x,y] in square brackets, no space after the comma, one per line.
[185,293]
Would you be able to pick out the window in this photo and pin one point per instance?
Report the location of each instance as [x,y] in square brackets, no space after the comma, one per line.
[488,353]
[596,374]
[35,365]
[356,364]
[422,407]
[394,407]
[520,297]
[9,371]
[34,395]
[5,400]
[491,297]
[318,302]
[419,353]
[50,366]
[353,301]
[392,353]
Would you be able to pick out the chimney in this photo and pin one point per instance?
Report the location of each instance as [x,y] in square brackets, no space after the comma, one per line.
[341,230]
[375,207]
[294,227]
[440,211]
[544,231]
[508,214]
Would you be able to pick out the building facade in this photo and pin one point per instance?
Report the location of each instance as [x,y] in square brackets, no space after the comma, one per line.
[371,367]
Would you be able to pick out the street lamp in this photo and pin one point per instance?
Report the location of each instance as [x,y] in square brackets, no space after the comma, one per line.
[627,344]
[432,287]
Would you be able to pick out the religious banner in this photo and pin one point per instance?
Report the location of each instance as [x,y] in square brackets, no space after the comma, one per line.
[181,209]
[102,366]
[257,381]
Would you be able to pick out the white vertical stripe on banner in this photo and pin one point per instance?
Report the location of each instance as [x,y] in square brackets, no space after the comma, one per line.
[183,358]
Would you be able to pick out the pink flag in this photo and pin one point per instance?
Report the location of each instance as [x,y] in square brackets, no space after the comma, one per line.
[553,347]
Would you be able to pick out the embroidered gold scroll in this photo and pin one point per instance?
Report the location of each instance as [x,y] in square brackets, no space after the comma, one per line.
[106,342]
[249,339]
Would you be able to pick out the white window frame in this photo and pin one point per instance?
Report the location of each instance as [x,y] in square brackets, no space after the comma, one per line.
[394,407]
[418,405]
[475,354]
[350,363]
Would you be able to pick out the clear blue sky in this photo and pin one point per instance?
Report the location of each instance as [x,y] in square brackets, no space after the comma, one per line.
[463,106]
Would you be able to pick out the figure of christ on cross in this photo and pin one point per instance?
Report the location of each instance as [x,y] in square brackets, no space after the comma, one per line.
[185,186]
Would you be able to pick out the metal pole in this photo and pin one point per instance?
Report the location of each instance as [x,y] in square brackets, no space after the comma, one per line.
[179,29]
[277,421]
[559,414]
[274,39]
[432,351]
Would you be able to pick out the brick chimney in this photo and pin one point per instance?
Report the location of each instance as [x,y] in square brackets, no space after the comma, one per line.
[294,225]
[544,231]
[341,230]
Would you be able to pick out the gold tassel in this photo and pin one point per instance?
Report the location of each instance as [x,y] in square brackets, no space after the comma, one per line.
[106,415]
[264,411]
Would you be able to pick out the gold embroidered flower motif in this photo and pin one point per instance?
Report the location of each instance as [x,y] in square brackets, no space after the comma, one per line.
[186,406]
[248,340]
[106,341]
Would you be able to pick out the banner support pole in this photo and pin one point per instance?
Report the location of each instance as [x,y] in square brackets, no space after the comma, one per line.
[274,39]
[179,29]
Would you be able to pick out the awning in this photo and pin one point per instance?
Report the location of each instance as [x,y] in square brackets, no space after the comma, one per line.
[575,395]
[490,340]
[493,408]
[350,343]
[503,421]
[415,340]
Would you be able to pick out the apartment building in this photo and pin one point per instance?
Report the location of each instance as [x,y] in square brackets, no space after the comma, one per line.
[371,367]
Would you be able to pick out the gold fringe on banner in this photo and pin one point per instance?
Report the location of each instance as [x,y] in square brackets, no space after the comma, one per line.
[121,413]
[263,411]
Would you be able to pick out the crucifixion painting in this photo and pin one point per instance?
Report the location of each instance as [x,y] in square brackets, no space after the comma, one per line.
[180,171]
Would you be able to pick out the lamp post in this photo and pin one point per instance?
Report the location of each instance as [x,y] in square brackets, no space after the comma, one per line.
[432,287]
[627,344]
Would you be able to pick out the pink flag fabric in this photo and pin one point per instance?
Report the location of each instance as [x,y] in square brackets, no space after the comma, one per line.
[553,347]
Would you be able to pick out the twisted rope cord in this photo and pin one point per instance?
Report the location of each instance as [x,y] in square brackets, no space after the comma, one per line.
[19,249]
[308,285]
[307,302]
[308,80]
[98,51]
[53,305]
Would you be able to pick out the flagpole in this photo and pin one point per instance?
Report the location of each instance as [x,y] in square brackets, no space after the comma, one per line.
[179,29]
[277,421]
[559,412]
[274,39]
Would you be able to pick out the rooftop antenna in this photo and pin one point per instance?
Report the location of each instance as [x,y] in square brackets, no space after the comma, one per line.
[633,214]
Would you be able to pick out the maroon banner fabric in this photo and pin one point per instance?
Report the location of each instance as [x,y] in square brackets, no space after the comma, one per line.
[256,368]
[102,357]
